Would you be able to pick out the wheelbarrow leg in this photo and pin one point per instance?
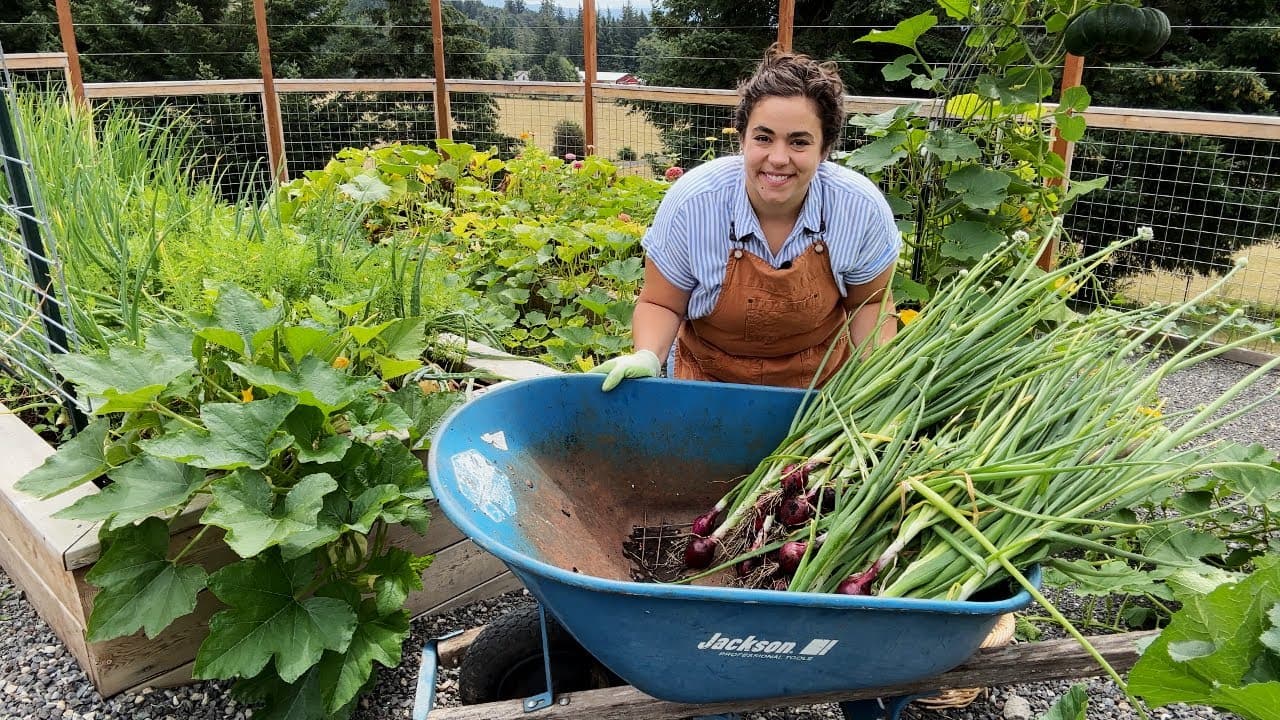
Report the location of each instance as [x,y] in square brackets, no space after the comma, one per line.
[424,698]
[545,698]
[878,708]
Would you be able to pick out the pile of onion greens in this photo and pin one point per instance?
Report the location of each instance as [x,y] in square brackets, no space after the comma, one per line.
[996,429]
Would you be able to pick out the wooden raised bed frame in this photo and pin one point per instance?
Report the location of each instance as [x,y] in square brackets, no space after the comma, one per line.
[48,559]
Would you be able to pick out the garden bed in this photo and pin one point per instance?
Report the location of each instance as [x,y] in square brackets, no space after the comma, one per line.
[48,558]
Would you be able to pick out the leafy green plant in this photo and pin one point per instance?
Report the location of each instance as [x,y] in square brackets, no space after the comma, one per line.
[983,170]
[287,425]
[546,251]
[139,237]
[1222,648]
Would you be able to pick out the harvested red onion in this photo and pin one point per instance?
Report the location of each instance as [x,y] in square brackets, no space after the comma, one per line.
[705,524]
[699,553]
[790,555]
[794,511]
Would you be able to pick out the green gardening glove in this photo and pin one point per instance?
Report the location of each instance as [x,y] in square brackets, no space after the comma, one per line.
[641,363]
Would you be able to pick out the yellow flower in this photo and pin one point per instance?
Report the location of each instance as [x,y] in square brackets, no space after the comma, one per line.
[526,136]
[341,362]
[907,316]
[1152,411]
[246,395]
[729,131]
[1024,214]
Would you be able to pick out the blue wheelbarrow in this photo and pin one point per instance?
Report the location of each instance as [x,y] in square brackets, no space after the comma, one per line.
[551,475]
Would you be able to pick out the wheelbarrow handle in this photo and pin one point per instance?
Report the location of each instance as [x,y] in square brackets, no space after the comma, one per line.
[424,699]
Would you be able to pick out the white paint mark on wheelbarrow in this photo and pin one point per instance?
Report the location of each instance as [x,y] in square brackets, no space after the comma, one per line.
[497,439]
[487,487]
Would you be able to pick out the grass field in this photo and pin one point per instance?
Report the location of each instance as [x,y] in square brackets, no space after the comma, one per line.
[615,127]
[1257,285]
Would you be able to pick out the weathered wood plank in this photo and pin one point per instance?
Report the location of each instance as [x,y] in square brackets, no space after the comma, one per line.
[46,588]
[23,451]
[506,582]
[1028,662]
[36,61]
[456,570]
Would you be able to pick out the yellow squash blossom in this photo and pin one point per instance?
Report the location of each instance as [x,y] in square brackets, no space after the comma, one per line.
[246,395]
[341,362]
[907,316]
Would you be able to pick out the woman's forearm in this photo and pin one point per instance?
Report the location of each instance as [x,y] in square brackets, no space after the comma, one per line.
[654,327]
[864,325]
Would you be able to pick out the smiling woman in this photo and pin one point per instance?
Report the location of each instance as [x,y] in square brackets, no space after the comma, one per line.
[770,267]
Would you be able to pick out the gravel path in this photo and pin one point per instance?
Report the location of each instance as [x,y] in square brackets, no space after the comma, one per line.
[40,679]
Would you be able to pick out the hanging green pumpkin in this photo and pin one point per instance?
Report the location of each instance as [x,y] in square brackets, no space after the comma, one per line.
[1117,32]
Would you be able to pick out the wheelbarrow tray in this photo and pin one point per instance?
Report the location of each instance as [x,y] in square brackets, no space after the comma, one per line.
[551,475]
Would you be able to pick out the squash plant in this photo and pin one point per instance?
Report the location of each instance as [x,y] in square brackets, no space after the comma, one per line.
[286,424]
[983,170]
[547,249]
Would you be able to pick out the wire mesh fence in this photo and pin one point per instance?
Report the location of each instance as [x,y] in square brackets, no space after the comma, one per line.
[226,131]
[35,320]
[318,124]
[1210,202]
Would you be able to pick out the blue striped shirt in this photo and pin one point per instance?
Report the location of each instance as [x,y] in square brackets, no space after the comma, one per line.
[689,239]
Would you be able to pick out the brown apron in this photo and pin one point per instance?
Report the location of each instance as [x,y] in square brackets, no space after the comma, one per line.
[769,326]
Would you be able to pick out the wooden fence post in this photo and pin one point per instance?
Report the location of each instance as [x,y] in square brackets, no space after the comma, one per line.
[589,72]
[443,132]
[786,23]
[67,31]
[1072,72]
[270,101]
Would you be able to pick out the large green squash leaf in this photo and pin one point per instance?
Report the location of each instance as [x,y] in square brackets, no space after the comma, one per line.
[1216,651]
[126,378]
[268,619]
[240,321]
[79,460]
[237,435]
[140,488]
[314,382]
[378,637]
[255,518]
[141,588]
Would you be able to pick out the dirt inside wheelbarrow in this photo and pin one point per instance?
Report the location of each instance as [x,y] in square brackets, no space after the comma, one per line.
[580,508]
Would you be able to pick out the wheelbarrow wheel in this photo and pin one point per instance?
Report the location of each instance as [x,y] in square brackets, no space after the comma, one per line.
[504,662]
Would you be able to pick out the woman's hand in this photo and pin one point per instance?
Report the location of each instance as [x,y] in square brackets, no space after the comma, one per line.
[641,363]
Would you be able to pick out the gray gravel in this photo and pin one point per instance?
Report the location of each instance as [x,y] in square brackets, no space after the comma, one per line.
[40,679]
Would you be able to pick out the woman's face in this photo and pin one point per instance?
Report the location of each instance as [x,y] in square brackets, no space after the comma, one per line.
[782,147]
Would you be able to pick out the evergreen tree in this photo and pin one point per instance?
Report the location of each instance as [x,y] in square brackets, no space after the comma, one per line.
[557,68]
[547,32]
[28,26]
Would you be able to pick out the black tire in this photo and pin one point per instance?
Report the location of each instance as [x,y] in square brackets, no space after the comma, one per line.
[504,662]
